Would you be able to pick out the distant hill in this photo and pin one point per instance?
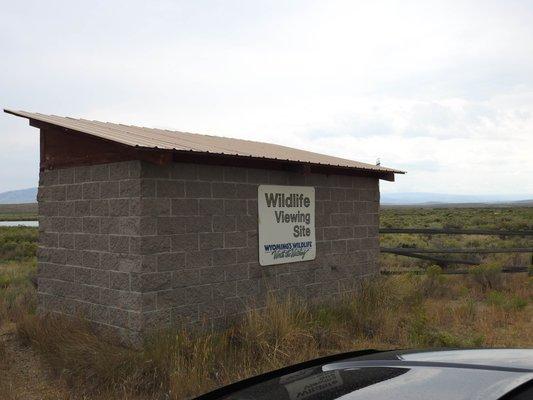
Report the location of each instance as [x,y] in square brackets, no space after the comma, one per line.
[19,196]
[408,198]
[424,198]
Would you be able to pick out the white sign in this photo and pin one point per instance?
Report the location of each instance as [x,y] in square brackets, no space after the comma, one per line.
[286,224]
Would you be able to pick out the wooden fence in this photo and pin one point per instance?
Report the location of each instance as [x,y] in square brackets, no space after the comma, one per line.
[439,231]
[427,254]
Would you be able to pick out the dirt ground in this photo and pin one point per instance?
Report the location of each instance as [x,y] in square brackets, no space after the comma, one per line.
[22,376]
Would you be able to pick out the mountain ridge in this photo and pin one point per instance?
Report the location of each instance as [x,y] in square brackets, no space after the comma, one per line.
[19,196]
[404,198]
[426,198]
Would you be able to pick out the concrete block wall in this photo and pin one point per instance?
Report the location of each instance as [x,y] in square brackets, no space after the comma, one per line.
[88,257]
[134,246]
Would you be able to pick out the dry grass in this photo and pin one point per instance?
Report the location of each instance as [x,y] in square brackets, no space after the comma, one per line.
[69,360]
[404,311]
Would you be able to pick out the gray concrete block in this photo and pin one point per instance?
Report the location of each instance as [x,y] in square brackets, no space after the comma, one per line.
[199,294]
[118,171]
[183,207]
[210,173]
[223,190]
[156,207]
[170,189]
[224,290]
[235,239]
[224,223]
[199,190]
[74,192]
[224,256]
[82,208]
[118,317]
[212,275]
[236,272]
[151,282]
[185,277]
[119,207]
[91,224]
[148,225]
[171,225]
[235,207]
[198,224]
[129,226]
[155,171]
[100,172]
[185,242]
[209,241]
[130,263]
[119,244]
[100,278]
[66,240]
[246,223]
[276,177]
[198,259]
[130,188]
[170,261]
[234,174]
[82,241]
[91,190]
[184,171]
[135,245]
[210,207]
[119,280]
[49,239]
[99,242]
[49,177]
[109,225]
[259,176]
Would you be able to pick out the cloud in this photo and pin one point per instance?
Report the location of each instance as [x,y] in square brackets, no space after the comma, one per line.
[442,88]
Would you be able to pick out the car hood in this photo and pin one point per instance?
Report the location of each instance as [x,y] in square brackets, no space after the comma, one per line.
[447,374]
[512,358]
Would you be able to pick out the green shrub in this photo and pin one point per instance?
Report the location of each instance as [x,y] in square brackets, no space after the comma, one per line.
[433,271]
[18,243]
[17,294]
[4,281]
[432,283]
[517,303]
[487,276]
[500,299]
[477,341]
[422,334]
[496,298]
[468,309]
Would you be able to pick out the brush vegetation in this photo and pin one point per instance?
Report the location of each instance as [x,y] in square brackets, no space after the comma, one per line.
[18,243]
[482,309]
[516,218]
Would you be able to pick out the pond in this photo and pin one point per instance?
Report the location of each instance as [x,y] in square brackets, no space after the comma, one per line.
[19,223]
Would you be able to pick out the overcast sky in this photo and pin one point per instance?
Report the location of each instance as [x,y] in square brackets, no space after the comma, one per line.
[442,89]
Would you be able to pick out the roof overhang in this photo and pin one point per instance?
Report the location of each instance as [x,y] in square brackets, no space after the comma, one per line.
[147,151]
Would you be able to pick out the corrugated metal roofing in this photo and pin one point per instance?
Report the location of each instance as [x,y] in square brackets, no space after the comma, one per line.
[184,141]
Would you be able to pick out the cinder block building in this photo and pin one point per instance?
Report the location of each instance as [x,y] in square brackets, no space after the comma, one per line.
[146,228]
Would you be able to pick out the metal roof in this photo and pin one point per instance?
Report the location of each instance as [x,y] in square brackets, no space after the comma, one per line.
[183,141]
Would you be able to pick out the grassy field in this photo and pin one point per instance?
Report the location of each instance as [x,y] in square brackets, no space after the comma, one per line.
[18,212]
[58,358]
[518,218]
